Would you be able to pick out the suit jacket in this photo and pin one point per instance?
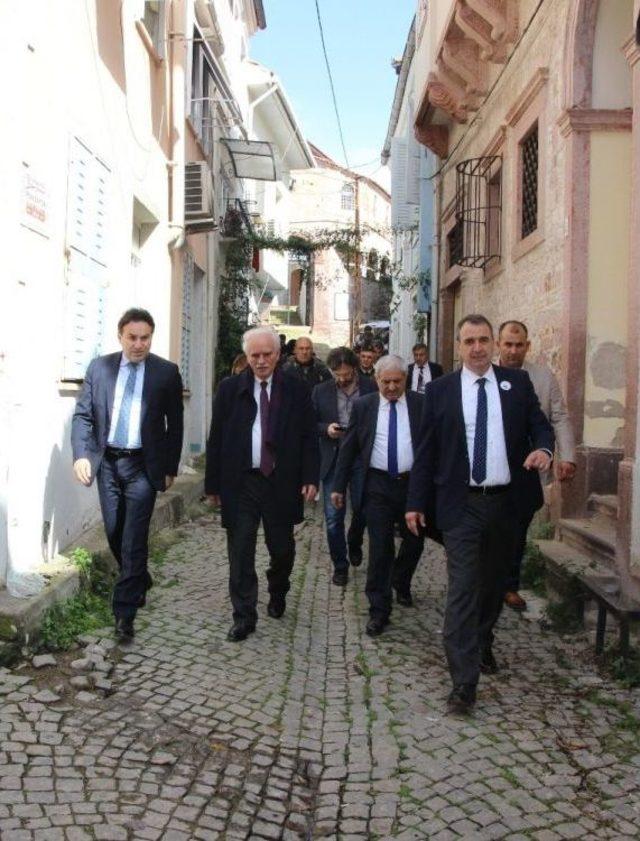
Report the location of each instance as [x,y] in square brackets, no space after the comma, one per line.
[547,389]
[436,371]
[161,420]
[294,436]
[440,474]
[325,403]
[360,435]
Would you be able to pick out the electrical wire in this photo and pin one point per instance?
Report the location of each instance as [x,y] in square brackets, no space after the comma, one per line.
[333,90]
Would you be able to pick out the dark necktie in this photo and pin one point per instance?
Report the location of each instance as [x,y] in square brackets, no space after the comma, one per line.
[420,386]
[121,434]
[266,457]
[479,468]
[392,441]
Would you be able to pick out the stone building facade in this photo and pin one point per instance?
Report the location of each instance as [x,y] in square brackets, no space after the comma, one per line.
[529,107]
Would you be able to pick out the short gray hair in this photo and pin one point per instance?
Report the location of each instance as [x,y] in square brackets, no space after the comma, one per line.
[258,332]
[390,362]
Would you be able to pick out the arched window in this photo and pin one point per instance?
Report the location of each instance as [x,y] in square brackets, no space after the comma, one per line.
[347,197]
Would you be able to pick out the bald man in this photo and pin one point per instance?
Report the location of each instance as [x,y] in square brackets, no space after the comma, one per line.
[305,366]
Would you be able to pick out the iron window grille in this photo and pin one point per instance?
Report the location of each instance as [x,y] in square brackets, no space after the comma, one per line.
[479,211]
[529,186]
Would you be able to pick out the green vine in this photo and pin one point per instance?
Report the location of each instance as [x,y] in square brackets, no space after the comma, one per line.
[238,277]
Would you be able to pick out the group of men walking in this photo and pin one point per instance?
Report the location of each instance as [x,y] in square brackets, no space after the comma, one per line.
[419,454]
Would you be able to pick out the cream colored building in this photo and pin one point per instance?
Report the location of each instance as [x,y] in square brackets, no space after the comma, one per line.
[529,107]
[119,173]
[335,297]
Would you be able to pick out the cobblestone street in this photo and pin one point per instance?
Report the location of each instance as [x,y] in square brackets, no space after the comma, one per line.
[310,729]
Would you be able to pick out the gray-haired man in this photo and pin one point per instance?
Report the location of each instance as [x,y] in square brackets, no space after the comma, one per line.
[383,431]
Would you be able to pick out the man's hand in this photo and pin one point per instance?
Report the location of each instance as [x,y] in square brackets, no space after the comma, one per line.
[565,470]
[82,471]
[415,520]
[337,500]
[168,481]
[334,431]
[537,460]
[309,492]
[212,500]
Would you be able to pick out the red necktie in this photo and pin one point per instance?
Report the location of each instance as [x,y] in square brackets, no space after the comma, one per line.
[266,457]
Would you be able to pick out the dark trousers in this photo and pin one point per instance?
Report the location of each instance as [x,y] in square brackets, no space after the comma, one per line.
[256,503]
[479,549]
[522,527]
[385,500]
[127,498]
[334,517]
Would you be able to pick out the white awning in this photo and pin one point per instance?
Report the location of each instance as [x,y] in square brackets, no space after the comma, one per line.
[252,159]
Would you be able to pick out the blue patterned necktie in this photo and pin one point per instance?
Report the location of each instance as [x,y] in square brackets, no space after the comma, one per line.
[392,441]
[121,435]
[479,469]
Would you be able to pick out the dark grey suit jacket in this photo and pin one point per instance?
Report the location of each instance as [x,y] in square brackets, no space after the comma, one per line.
[362,432]
[161,421]
[325,404]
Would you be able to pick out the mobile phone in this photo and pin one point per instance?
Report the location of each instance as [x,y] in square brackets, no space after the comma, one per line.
[340,427]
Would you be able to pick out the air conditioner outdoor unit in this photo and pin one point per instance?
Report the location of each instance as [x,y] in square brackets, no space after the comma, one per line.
[198,189]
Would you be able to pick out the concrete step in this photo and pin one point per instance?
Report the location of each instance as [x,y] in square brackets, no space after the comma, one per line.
[603,505]
[565,563]
[284,316]
[595,538]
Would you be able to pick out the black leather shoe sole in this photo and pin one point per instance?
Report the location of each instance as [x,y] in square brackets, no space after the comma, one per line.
[237,633]
[355,557]
[461,701]
[276,609]
[375,627]
[124,631]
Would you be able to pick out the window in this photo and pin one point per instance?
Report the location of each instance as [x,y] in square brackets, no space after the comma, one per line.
[88,214]
[348,197]
[494,220]
[454,245]
[529,182]
[153,20]
[202,90]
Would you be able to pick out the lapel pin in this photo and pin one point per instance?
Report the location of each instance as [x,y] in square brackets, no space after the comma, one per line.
[505,385]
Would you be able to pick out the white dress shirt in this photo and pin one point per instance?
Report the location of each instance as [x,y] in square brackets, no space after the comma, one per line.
[134,438]
[426,376]
[498,472]
[379,454]
[256,432]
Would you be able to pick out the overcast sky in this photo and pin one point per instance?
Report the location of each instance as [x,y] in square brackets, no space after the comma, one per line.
[362,37]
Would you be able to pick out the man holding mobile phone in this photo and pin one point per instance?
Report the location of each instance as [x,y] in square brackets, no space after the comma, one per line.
[333,401]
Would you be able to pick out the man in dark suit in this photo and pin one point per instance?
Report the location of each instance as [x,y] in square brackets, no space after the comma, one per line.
[333,402]
[383,433]
[483,437]
[127,433]
[262,465]
[421,371]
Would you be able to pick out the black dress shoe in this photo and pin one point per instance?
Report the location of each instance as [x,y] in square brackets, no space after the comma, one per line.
[405,599]
[488,664]
[148,584]
[276,608]
[125,631]
[355,555]
[461,699]
[376,626]
[341,577]
[240,631]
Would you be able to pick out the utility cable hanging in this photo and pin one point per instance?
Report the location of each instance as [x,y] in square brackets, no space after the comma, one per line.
[333,90]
